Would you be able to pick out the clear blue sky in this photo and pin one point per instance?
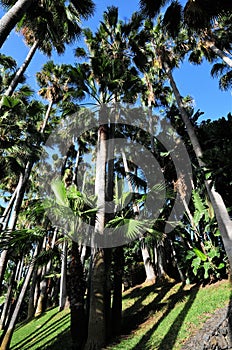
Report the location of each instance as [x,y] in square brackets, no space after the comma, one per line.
[191,80]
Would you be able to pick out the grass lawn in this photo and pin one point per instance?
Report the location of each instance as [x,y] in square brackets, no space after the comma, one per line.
[160,316]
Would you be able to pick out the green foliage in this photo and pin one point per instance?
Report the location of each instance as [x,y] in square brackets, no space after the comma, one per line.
[208,265]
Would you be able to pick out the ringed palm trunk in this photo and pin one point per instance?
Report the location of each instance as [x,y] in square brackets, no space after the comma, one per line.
[12,17]
[223,219]
[96,326]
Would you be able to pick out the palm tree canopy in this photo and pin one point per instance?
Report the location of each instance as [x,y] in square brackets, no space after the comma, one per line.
[196,14]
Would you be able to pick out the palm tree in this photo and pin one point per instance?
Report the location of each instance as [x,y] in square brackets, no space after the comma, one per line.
[50,26]
[199,18]
[54,84]
[109,74]
[223,219]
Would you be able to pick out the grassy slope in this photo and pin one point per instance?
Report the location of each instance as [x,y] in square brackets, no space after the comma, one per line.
[155,317]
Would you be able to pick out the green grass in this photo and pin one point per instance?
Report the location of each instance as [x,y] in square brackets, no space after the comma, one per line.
[155,317]
[49,331]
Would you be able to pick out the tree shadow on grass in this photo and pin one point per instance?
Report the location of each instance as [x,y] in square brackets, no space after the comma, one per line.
[139,313]
[169,339]
[62,341]
[42,332]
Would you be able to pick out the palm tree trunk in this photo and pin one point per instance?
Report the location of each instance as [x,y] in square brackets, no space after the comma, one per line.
[7,335]
[8,299]
[63,278]
[31,302]
[6,213]
[97,327]
[223,219]
[218,52]
[47,115]
[77,291]
[13,220]
[149,270]
[22,69]
[19,270]
[11,18]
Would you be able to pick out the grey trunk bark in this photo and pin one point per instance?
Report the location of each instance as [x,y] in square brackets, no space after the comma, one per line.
[219,53]
[63,277]
[11,18]
[22,69]
[97,327]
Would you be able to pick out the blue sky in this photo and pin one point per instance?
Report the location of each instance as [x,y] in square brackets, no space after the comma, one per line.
[191,80]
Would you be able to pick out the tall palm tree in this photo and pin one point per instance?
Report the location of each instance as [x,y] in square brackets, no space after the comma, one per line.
[110,79]
[54,83]
[49,26]
[166,58]
[26,7]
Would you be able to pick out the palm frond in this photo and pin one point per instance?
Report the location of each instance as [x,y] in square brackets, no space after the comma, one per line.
[172,18]
[150,8]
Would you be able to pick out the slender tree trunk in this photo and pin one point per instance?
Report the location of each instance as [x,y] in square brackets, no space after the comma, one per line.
[182,277]
[7,300]
[219,53]
[63,278]
[74,179]
[47,115]
[149,270]
[161,260]
[31,302]
[41,305]
[7,335]
[7,211]
[12,17]
[12,223]
[43,298]
[19,271]
[223,219]
[22,69]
